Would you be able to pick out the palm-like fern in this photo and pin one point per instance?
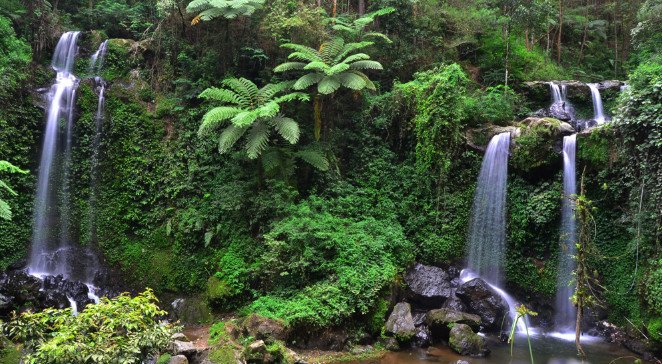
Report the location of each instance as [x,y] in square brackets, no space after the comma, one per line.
[333,65]
[249,110]
[229,9]
[5,210]
[355,28]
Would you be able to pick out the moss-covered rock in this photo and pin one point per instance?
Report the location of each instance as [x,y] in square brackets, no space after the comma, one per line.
[465,342]
[401,323]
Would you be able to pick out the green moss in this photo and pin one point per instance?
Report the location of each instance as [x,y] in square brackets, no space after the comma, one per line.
[655,329]
[163,358]
[9,354]
[597,148]
[217,291]
[222,354]
[534,149]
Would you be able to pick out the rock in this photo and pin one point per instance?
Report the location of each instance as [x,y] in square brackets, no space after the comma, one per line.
[6,303]
[190,310]
[179,337]
[440,321]
[556,126]
[178,359]
[330,339]
[183,348]
[461,362]
[422,337]
[263,328]
[54,298]
[400,323]
[256,352]
[465,342]
[428,286]
[22,286]
[479,138]
[483,301]
[391,344]
[455,303]
[360,349]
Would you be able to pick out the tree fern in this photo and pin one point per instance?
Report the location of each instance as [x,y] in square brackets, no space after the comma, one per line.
[229,9]
[252,112]
[355,28]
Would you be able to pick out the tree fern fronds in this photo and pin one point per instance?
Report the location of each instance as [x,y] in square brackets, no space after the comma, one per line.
[4,186]
[251,88]
[378,35]
[10,168]
[338,68]
[302,52]
[349,48]
[239,86]
[215,117]
[269,90]
[229,9]
[352,81]
[314,157]
[256,140]
[268,110]
[221,94]
[317,66]
[5,211]
[328,84]
[356,57]
[368,83]
[307,80]
[289,66]
[229,137]
[329,50]
[287,128]
[271,160]
[292,97]
[246,117]
[371,65]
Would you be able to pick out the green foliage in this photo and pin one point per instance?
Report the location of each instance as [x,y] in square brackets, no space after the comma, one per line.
[439,96]
[229,9]
[355,28]
[652,290]
[654,329]
[5,209]
[250,111]
[117,18]
[15,55]
[534,149]
[495,105]
[122,330]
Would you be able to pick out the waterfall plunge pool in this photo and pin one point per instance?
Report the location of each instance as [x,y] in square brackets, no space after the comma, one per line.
[547,349]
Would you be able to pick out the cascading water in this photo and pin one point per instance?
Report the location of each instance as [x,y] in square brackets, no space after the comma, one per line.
[96,61]
[47,256]
[487,230]
[565,310]
[557,95]
[598,111]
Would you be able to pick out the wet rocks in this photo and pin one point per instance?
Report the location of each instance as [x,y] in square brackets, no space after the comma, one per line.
[465,342]
[178,359]
[428,286]
[440,321]
[401,323]
[483,301]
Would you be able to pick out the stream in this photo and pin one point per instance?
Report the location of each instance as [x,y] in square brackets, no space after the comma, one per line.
[546,350]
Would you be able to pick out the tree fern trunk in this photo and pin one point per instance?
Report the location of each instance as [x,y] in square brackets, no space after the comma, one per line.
[318,116]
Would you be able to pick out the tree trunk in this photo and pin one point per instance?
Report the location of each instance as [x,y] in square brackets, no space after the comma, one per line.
[317,106]
[507,52]
[558,38]
[361,7]
[334,9]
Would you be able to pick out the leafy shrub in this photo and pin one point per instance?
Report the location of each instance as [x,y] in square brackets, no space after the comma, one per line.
[655,329]
[15,54]
[653,289]
[118,330]
[495,105]
[322,267]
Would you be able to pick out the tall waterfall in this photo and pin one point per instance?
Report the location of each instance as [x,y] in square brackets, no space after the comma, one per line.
[556,92]
[487,230]
[50,237]
[565,310]
[598,111]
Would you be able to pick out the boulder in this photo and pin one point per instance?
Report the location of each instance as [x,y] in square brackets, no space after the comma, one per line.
[465,342]
[6,303]
[263,328]
[485,302]
[22,286]
[428,286]
[556,126]
[422,337]
[179,337]
[401,323]
[178,359]
[455,303]
[479,138]
[256,352]
[440,321]
[334,339]
[55,299]
[183,348]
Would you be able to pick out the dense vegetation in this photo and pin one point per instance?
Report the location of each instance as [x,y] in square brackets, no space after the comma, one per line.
[292,157]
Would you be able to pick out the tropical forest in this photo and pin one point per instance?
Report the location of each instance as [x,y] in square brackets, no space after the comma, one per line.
[330,181]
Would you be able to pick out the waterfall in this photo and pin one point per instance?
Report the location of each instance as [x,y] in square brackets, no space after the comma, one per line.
[556,92]
[598,111]
[565,310]
[487,230]
[46,255]
[96,64]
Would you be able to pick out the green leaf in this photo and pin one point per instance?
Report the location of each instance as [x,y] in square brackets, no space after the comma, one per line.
[256,140]
[208,236]
[215,117]
[328,85]
[352,81]
[307,80]
[229,137]
[314,157]
[287,128]
[373,65]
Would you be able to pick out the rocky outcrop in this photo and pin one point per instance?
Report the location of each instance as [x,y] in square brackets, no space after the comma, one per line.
[440,321]
[401,323]
[263,328]
[483,301]
[465,342]
[577,91]
[178,359]
[478,138]
[428,286]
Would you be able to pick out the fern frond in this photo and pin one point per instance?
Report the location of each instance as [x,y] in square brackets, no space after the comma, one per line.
[328,84]
[10,168]
[215,117]
[271,160]
[220,94]
[287,128]
[289,66]
[292,97]
[256,140]
[229,137]
[307,80]
[269,90]
[317,66]
[302,52]
[370,65]
[246,118]
[242,91]
[368,83]
[356,57]
[314,157]
[252,90]
[4,186]
[5,211]
[330,49]
[379,35]
[339,68]
[269,110]
[352,81]
[349,48]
